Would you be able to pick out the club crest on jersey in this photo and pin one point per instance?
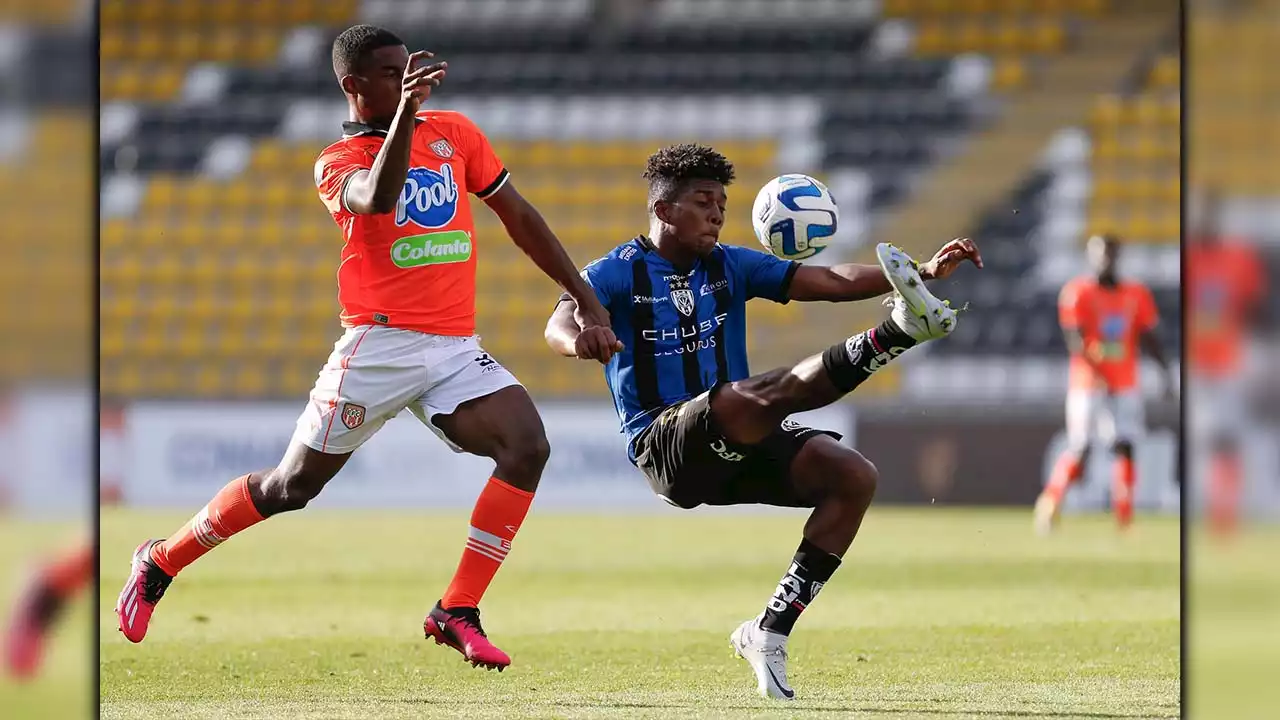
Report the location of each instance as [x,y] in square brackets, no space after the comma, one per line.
[683,300]
[681,294]
[352,415]
[429,198]
[442,148]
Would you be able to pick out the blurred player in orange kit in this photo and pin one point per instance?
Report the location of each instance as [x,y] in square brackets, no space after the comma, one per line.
[1224,287]
[1106,321]
[40,605]
[396,184]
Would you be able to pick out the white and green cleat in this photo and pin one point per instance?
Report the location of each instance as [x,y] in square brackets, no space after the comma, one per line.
[915,310]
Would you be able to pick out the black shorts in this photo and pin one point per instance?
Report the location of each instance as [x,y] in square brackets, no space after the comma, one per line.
[689,463]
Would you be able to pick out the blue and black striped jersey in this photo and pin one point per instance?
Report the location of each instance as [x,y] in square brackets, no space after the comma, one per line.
[684,331]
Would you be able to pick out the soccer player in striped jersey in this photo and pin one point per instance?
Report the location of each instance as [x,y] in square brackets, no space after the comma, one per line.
[700,426]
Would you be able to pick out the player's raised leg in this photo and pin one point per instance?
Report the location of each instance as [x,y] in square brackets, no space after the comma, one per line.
[241,504]
[371,375]
[835,480]
[751,409]
[481,409]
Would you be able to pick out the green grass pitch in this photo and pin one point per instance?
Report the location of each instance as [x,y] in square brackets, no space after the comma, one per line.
[936,612]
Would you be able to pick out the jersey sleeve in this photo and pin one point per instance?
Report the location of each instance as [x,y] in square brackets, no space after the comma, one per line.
[485,173]
[1069,306]
[762,274]
[1147,314]
[604,277]
[333,169]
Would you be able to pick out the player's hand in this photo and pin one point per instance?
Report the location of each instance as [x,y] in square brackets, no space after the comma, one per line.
[946,260]
[597,343]
[596,340]
[418,81]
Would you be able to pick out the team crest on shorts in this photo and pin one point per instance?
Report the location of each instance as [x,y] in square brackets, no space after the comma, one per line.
[352,415]
[442,148]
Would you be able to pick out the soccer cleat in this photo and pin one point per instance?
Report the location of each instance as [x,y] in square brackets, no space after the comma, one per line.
[915,310]
[33,615]
[766,653]
[460,629]
[1046,514]
[144,588]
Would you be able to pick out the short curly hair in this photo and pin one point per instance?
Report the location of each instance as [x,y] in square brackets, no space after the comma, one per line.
[671,169]
[352,47]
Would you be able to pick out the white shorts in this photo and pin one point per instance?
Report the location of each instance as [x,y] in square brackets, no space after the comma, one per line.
[374,372]
[1095,417]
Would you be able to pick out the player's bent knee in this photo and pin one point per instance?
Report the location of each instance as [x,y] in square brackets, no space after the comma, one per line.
[858,478]
[286,490]
[1123,448]
[520,463]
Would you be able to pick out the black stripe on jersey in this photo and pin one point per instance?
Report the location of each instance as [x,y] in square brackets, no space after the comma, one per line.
[494,186]
[644,350]
[723,295]
[689,341]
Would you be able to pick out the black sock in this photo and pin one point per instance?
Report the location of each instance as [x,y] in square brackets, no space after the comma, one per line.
[851,362]
[810,569]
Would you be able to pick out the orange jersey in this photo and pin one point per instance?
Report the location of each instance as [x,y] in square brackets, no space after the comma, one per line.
[1110,320]
[1223,280]
[413,268]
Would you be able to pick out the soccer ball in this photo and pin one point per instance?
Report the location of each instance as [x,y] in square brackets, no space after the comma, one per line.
[794,217]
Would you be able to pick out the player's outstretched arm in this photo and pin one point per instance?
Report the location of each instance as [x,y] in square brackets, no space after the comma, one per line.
[565,336]
[851,281]
[530,233]
[377,190]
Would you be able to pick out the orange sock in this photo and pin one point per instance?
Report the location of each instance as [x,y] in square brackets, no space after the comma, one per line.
[69,572]
[497,516]
[1122,490]
[1224,492]
[229,512]
[1065,472]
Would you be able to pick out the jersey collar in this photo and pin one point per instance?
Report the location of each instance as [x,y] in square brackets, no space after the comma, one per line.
[646,245]
[358,129]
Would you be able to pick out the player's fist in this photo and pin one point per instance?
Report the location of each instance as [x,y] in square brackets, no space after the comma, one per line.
[597,343]
[418,81]
[946,260]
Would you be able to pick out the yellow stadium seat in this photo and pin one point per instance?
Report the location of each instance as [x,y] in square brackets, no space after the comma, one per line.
[1107,110]
[112,45]
[1010,74]
[261,47]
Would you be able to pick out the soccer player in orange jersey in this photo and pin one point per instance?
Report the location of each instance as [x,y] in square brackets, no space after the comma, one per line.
[41,603]
[1225,286]
[397,185]
[1106,320]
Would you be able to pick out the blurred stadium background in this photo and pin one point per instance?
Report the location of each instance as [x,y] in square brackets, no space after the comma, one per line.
[929,119]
